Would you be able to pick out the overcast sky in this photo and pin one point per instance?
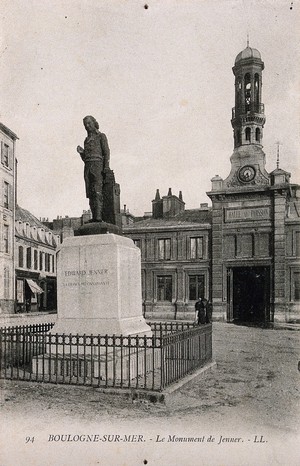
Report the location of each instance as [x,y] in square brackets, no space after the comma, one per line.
[158,80]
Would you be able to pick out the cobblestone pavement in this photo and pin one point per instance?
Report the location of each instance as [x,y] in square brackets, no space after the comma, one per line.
[251,398]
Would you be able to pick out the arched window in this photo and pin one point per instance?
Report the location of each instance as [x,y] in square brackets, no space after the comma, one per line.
[257,134]
[239,92]
[247,80]
[248,134]
[256,92]
[21,256]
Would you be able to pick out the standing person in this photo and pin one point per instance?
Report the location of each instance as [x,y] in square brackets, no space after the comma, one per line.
[200,308]
[197,309]
[96,162]
[208,311]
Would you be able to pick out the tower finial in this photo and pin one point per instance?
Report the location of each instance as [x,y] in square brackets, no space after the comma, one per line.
[278,143]
[247,39]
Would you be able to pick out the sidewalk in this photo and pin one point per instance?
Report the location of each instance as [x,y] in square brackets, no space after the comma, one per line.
[51,316]
[31,318]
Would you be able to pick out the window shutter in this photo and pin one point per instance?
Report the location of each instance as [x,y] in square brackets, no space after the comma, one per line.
[2,152]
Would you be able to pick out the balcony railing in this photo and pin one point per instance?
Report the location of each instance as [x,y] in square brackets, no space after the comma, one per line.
[252,108]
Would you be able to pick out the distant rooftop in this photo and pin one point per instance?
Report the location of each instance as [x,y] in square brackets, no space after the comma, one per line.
[185,218]
[25,216]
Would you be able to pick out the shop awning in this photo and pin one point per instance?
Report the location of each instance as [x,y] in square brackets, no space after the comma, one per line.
[35,288]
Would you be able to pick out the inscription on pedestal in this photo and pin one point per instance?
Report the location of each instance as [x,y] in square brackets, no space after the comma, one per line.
[69,273]
[85,277]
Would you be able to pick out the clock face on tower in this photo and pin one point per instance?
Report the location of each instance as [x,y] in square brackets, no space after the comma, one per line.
[246,173]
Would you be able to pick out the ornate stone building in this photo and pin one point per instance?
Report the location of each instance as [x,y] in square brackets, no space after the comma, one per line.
[7,213]
[244,253]
[255,217]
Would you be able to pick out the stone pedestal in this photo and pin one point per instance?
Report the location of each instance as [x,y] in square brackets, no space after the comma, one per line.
[99,287]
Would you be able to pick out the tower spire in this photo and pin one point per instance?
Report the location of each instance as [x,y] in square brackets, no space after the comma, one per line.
[247,39]
[278,143]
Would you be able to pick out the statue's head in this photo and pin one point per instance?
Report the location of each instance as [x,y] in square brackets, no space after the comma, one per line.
[90,122]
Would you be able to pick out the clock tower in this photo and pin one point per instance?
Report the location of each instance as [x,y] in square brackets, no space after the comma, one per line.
[248,119]
[253,229]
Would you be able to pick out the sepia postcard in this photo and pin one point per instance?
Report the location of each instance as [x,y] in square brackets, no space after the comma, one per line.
[150,232]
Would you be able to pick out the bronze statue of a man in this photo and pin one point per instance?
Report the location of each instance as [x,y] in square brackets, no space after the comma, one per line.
[96,163]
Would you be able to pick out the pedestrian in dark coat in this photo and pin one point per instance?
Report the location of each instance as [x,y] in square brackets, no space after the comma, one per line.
[208,312]
[200,308]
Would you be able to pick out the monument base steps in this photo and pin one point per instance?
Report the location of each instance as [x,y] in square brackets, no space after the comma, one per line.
[115,364]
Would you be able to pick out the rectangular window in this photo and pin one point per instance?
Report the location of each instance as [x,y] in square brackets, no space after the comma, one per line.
[41,261]
[46,262]
[196,287]
[297,240]
[6,195]
[47,258]
[164,288]
[28,258]
[296,286]
[35,259]
[164,249]
[6,238]
[196,245]
[5,155]
[21,258]
[53,264]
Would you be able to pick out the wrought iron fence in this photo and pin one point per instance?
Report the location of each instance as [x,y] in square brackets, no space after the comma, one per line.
[154,362]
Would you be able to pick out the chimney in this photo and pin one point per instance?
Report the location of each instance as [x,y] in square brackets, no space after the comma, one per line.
[180,195]
[157,206]
[170,192]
